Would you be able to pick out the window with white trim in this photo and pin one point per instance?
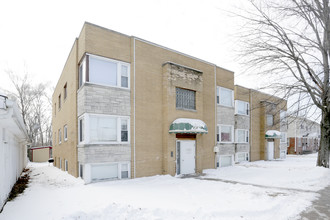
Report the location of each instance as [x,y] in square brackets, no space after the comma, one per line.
[59,136]
[283,137]
[124,171]
[124,130]
[60,163]
[241,107]
[105,171]
[81,129]
[98,128]
[242,136]
[124,76]
[241,156]
[82,72]
[185,99]
[65,132]
[66,165]
[102,128]
[225,97]
[226,160]
[104,71]
[225,133]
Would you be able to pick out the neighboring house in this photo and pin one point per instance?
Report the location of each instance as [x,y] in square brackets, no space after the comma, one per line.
[303,135]
[260,123]
[125,107]
[13,152]
[40,154]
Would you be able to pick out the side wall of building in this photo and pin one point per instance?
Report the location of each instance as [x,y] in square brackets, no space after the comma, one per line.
[65,114]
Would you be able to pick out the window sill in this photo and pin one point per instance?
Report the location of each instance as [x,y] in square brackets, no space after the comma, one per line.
[186,109]
[103,85]
[226,106]
[241,114]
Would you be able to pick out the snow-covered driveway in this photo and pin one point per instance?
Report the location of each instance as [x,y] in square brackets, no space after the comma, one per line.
[53,194]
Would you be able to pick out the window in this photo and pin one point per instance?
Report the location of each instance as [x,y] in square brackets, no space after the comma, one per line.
[103,129]
[59,101]
[99,128]
[59,136]
[124,170]
[124,76]
[225,133]
[104,71]
[241,107]
[243,156]
[66,165]
[225,97]
[81,129]
[283,137]
[242,136]
[185,99]
[104,171]
[82,72]
[226,161]
[65,131]
[2,102]
[81,170]
[55,138]
[65,92]
[270,120]
[124,130]
[60,163]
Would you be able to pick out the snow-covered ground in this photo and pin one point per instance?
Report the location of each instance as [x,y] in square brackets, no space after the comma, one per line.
[53,194]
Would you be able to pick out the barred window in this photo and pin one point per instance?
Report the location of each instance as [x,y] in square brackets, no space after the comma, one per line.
[185,99]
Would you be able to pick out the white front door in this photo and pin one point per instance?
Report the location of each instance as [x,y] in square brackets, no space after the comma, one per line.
[270,150]
[186,162]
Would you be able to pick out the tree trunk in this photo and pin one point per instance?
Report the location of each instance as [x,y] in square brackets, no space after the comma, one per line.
[323,155]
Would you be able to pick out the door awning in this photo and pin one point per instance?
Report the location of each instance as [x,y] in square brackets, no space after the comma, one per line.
[188,126]
[273,134]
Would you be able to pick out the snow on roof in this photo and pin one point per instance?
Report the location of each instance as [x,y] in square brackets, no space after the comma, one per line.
[273,133]
[188,125]
[193,122]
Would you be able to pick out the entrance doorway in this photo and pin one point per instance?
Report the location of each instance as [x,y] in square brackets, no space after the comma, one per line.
[185,156]
[270,150]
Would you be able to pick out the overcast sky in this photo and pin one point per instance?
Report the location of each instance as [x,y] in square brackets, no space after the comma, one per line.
[36,36]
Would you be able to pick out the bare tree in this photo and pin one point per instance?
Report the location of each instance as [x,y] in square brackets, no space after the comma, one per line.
[35,108]
[290,41]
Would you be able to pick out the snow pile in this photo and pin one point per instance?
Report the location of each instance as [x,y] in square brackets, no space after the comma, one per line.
[54,194]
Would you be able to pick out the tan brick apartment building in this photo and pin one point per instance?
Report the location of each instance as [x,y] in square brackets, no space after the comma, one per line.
[125,107]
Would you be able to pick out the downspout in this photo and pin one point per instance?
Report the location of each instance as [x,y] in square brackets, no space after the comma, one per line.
[295,136]
[134,109]
[215,114]
[250,133]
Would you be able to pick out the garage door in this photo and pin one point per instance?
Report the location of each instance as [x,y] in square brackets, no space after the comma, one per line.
[104,171]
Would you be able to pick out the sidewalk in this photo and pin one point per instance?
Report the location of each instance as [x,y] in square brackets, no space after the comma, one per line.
[320,210]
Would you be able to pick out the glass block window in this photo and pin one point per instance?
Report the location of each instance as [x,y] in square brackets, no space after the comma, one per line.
[270,120]
[185,99]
